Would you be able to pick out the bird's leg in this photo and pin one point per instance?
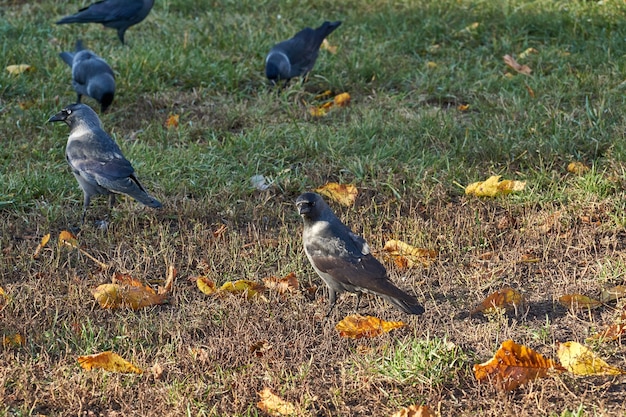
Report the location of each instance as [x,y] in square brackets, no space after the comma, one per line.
[86,201]
[111,200]
[332,300]
[358,301]
[79,97]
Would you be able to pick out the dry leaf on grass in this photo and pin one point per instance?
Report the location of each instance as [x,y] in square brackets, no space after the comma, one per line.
[407,256]
[577,168]
[4,298]
[19,69]
[15,340]
[579,301]
[492,187]
[42,244]
[126,291]
[259,348]
[205,285]
[613,331]
[415,411]
[172,121]
[328,47]
[512,63]
[68,239]
[282,285]
[580,360]
[357,326]
[251,289]
[506,298]
[613,294]
[273,405]
[344,194]
[340,100]
[108,361]
[514,365]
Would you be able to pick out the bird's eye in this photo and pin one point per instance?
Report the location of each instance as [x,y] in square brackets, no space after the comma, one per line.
[312,203]
[68,111]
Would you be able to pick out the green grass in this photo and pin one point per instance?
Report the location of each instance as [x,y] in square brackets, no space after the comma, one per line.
[403,141]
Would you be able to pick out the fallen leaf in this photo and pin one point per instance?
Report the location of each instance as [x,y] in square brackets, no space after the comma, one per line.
[15,340]
[514,365]
[580,360]
[463,107]
[415,411]
[613,294]
[431,65]
[120,295]
[243,286]
[157,371]
[492,187]
[123,279]
[108,361]
[511,62]
[531,92]
[274,405]
[169,281]
[68,238]
[283,285]
[613,331]
[205,285]
[4,299]
[578,301]
[577,168]
[342,100]
[357,326]
[42,244]
[259,348]
[324,94]
[328,47]
[506,298]
[19,69]
[172,121]
[407,256]
[527,52]
[344,194]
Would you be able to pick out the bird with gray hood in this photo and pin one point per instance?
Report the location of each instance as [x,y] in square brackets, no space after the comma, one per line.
[91,76]
[96,160]
[343,259]
[296,56]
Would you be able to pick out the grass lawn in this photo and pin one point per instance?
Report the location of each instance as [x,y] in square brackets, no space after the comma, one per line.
[433,108]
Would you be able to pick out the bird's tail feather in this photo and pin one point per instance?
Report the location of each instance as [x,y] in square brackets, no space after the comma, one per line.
[405,303]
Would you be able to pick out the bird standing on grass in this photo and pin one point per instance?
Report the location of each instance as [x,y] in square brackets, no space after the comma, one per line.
[96,160]
[343,259]
[116,14]
[91,75]
[296,56]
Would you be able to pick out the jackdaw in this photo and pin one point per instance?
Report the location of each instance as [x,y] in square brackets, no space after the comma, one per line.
[116,14]
[96,160]
[343,259]
[296,56]
[91,75]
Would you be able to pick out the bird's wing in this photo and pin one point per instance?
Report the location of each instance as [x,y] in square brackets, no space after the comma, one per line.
[109,11]
[301,49]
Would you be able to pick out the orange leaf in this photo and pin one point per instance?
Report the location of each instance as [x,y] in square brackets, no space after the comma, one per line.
[172,121]
[123,279]
[13,341]
[407,256]
[205,285]
[68,238]
[274,405]
[342,100]
[578,301]
[463,107]
[283,285]
[506,298]
[577,168]
[344,194]
[357,326]
[511,62]
[580,360]
[514,365]
[108,361]
[116,296]
[42,244]
[415,411]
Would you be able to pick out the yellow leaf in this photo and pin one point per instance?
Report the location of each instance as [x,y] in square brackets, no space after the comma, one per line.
[431,65]
[205,285]
[172,121]
[344,194]
[342,100]
[580,360]
[243,286]
[42,244]
[19,68]
[407,256]
[318,111]
[283,285]
[328,47]
[506,298]
[3,298]
[357,326]
[15,340]
[492,187]
[108,361]
[514,365]
[527,52]
[415,411]
[613,294]
[274,405]
[511,62]
[123,279]
[577,168]
[324,94]
[116,296]
[578,301]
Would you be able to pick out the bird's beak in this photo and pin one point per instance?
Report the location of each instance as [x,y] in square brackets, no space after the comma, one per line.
[59,117]
[303,209]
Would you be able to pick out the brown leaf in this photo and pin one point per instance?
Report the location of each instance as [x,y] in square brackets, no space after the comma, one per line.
[172,121]
[220,231]
[357,326]
[579,301]
[42,244]
[15,340]
[506,298]
[407,256]
[511,62]
[415,411]
[614,331]
[514,365]
[580,360]
[259,348]
[108,361]
[613,294]
[344,194]
[68,238]
[274,405]
[283,285]
[116,296]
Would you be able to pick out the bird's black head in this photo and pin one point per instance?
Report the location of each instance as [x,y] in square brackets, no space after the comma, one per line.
[107,99]
[74,114]
[310,205]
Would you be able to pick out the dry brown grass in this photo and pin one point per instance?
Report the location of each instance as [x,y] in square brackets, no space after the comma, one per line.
[203,343]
